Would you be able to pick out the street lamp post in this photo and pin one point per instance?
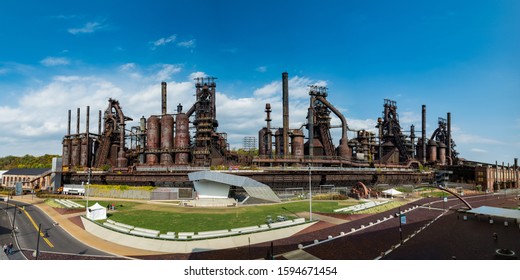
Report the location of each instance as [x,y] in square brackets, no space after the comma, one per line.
[310,193]
[400,226]
[87,189]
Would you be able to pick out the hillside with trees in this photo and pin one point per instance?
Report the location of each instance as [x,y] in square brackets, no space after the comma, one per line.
[26,161]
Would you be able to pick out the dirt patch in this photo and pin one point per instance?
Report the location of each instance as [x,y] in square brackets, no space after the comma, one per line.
[77,221]
[66,211]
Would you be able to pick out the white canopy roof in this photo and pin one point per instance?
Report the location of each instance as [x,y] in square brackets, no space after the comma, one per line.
[496,212]
[392,192]
[97,212]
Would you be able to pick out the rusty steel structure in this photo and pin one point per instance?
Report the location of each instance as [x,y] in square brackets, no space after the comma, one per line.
[163,147]
[442,147]
[158,141]
[387,146]
[394,145]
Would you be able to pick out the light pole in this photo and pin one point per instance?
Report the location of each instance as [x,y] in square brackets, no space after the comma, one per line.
[87,189]
[400,225]
[310,193]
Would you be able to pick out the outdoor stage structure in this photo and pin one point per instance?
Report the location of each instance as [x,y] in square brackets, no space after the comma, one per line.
[164,148]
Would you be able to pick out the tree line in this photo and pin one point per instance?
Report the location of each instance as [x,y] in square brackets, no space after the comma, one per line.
[27,161]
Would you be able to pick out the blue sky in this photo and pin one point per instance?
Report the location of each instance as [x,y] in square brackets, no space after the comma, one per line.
[454,56]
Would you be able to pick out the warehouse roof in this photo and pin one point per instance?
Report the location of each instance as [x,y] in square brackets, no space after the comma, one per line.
[27,171]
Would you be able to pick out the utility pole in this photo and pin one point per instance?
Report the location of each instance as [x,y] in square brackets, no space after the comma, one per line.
[14,218]
[310,193]
[38,242]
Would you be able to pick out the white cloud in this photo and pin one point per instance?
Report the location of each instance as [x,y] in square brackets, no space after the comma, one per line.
[54,61]
[164,41]
[465,138]
[187,44]
[261,69]
[89,27]
[409,118]
[166,71]
[195,75]
[131,69]
[477,150]
[128,67]
[298,88]
[268,90]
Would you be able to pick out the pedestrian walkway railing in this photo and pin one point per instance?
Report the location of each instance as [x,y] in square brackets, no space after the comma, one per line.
[151,233]
[360,207]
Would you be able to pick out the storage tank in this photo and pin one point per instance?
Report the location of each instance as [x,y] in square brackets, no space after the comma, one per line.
[278,141]
[166,139]
[344,150]
[441,153]
[75,154]
[262,146]
[432,147]
[297,142]
[66,152]
[419,149]
[84,151]
[152,139]
[182,139]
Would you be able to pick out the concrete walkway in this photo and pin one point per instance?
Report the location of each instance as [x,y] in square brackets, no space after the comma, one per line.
[331,220]
[299,255]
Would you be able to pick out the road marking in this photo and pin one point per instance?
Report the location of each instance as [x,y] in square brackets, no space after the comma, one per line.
[36,227]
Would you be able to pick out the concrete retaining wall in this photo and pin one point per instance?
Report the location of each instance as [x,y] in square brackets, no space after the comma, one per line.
[116,193]
[184,247]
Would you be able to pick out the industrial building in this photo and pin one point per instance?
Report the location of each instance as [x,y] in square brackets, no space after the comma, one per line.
[164,148]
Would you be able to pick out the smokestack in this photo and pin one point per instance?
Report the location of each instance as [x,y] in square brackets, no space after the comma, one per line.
[516,172]
[269,136]
[424,133]
[88,136]
[412,139]
[285,100]
[88,120]
[99,123]
[448,149]
[163,98]
[77,123]
[68,126]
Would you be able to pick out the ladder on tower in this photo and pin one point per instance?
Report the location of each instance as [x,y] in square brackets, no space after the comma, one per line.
[103,151]
[328,147]
[399,142]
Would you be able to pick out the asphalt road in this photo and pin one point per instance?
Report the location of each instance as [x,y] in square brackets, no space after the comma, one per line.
[52,238]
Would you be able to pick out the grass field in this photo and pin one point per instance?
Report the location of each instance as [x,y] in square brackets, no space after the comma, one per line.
[166,217]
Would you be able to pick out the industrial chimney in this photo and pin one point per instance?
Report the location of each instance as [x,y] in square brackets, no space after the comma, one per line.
[163,98]
[423,133]
[448,149]
[285,101]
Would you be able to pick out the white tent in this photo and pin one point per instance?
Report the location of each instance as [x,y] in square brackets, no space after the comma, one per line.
[97,212]
[392,192]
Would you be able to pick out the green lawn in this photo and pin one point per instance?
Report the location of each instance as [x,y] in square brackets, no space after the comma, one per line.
[179,219]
